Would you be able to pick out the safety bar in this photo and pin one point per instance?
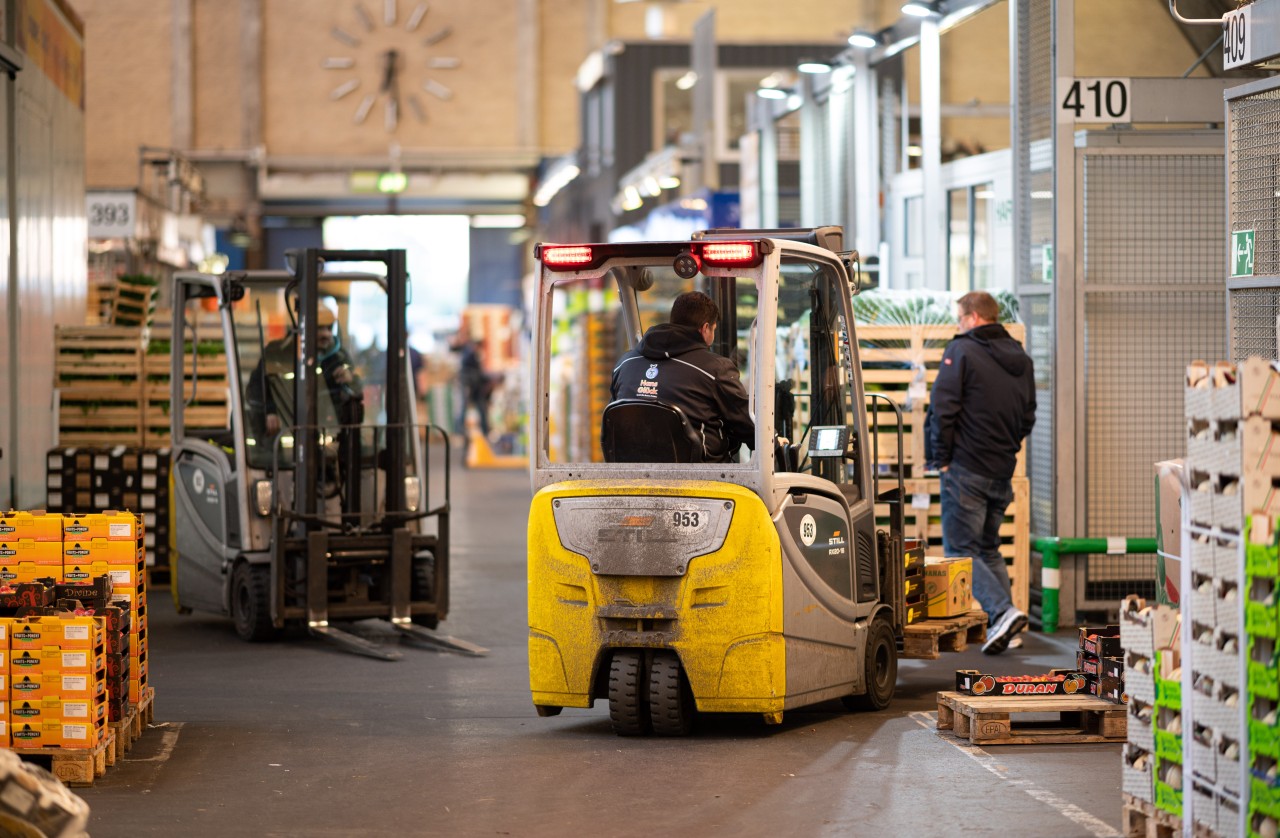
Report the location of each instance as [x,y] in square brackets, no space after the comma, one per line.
[1052,548]
[875,445]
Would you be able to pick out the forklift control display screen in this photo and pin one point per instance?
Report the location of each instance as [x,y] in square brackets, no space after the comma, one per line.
[828,441]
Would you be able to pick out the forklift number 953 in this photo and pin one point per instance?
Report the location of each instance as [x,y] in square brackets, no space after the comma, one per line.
[685,519]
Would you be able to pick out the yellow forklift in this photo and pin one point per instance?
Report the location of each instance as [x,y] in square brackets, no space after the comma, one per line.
[669,586]
[302,490]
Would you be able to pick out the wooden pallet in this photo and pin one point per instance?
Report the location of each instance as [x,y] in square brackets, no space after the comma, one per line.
[927,640]
[74,766]
[925,523]
[98,376]
[986,720]
[1143,820]
[130,729]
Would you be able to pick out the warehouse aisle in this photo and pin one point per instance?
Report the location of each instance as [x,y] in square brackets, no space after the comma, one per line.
[297,739]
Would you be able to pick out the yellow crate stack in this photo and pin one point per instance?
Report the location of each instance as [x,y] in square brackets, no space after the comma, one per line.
[30,546]
[113,543]
[57,668]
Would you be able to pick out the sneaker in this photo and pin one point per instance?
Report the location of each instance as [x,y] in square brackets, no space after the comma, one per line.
[1003,630]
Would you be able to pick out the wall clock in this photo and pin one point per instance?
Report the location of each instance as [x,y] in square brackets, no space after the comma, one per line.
[390,61]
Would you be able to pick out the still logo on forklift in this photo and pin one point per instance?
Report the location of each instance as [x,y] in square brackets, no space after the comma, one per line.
[633,535]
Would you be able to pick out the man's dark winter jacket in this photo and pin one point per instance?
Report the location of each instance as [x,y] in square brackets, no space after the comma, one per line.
[983,404]
[672,364]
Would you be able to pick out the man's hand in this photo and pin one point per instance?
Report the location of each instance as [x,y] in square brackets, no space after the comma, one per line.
[342,375]
[273,424]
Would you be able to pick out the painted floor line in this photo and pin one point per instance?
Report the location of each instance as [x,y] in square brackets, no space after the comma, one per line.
[1097,827]
[168,741]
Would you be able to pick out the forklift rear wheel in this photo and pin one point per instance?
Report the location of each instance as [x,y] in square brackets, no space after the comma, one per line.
[880,669]
[250,602]
[423,588]
[628,693]
[671,706]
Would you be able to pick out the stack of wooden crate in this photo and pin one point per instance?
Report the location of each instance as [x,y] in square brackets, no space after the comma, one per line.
[98,377]
[900,362]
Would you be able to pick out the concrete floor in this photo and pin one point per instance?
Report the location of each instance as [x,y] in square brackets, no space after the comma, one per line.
[297,739]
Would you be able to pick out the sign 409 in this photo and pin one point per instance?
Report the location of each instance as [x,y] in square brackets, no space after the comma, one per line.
[1237,46]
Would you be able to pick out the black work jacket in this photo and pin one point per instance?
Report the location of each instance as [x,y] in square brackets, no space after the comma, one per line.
[983,404]
[672,364]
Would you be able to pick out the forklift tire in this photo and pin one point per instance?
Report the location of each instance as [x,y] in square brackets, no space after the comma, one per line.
[880,669]
[250,603]
[423,587]
[628,693]
[671,706]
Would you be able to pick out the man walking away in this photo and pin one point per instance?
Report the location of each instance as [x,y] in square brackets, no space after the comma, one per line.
[982,407]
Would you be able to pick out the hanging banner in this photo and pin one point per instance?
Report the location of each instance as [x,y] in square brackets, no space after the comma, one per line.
[52,45]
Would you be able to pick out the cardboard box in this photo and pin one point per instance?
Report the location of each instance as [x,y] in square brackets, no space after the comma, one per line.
[1260,387]
[948,585]
[24,551]
[66,632]
[31,526]
[111,526]
[98,550]
[1108,689]
[69,685]
[1101,641]
[1169,480]
[1054,682]
[1260,447]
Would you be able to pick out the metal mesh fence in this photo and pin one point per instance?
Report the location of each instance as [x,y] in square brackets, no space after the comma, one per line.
[1253,124]
[1148,219]
[1033,179]
[1255,321]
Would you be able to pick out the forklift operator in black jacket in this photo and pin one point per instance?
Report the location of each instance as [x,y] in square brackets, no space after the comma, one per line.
[673,364]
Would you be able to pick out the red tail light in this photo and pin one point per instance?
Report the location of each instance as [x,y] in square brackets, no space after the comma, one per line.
[730,253]
[566,257]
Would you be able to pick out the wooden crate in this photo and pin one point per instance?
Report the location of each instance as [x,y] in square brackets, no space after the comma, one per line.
[133,305]
[925,523]
[98,378]
[928,639]
[205,378]
[989,719]
[893,359]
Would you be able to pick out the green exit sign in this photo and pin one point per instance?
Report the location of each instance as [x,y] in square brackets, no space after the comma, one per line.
[1242,253]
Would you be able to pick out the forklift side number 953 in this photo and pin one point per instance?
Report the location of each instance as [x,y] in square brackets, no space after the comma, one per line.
[685,519]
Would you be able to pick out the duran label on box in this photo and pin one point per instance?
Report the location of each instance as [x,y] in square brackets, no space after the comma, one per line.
[1054,682]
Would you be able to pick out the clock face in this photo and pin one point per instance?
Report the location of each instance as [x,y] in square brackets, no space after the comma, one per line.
[389,62]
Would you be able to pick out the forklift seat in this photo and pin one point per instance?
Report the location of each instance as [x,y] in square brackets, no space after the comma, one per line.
[643,431]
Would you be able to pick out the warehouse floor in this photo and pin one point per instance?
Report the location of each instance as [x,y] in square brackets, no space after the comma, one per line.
[297,739]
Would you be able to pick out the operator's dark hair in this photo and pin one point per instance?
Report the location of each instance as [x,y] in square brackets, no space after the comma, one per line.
[982,304]
[693,309]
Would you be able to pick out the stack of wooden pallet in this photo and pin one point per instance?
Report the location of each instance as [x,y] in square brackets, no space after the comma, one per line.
[98,377]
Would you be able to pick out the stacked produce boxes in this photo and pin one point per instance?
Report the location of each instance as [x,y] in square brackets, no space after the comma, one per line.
[1146,634]
[61,699]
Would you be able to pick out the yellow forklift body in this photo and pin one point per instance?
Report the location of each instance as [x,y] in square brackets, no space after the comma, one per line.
[722,616]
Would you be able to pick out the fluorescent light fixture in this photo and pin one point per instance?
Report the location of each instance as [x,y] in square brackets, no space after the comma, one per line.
[651,187]
[915,151]
[497,222]
[1042,195]
[687,81]
[669,182]
[392,183]
[814,67]
[557,179]
[771,93]
[631,199]
[863,39]
[918,8]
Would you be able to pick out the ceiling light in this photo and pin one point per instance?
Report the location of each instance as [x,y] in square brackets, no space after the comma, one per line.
[915,151]
[814,67]
[771,93]
[687,81]
[920,8]
[863,39]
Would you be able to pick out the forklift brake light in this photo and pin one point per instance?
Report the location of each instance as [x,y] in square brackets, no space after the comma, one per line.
[730,254]
[566,257]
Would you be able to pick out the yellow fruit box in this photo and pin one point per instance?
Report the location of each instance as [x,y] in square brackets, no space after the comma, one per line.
[26,551]
[112,526]
[91,550]
[71,685]
[37,633]
[30,526]
[948,586]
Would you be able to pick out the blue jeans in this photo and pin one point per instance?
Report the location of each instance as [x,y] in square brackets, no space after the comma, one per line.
[973,509]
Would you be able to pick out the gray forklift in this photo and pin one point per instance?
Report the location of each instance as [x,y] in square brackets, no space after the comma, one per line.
[302,488]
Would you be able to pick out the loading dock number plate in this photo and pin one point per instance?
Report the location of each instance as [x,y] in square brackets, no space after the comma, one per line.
[1237,45]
